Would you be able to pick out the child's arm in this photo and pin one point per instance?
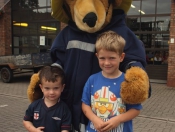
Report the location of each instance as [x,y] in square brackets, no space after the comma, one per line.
[115,121]
[29,126]
[98,123]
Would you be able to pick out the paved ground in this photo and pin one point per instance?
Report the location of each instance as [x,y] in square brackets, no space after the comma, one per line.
[158,114]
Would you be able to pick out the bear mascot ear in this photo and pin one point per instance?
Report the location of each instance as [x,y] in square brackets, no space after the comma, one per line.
[34,92]
[123,4]
[59,9]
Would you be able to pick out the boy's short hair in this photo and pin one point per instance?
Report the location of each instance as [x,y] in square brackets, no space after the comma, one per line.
[110,41]
[51,74]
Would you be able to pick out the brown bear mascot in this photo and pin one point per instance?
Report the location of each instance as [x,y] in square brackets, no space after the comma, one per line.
[74,51]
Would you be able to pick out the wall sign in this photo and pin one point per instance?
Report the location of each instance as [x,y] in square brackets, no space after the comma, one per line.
[172,40]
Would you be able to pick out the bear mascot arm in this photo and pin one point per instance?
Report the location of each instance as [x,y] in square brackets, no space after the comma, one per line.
[74,50]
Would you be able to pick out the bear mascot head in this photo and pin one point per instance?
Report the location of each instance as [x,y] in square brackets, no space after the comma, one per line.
[74,51]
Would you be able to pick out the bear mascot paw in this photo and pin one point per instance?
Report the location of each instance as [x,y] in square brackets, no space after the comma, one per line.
[135,88]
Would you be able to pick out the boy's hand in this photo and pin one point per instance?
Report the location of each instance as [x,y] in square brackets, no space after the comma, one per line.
[98,124]
[39,129]
[110,124]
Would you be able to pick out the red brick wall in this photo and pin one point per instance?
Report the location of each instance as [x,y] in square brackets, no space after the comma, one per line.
[171,61]
[5,31]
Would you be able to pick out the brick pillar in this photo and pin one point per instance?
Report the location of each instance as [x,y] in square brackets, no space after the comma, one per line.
[2,37]
[171,61]
[5,31]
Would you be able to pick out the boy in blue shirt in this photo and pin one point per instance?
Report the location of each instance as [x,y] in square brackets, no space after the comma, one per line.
[101,101]
[49,114]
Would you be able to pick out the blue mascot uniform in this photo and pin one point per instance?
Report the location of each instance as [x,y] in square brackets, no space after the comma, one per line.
[74,51]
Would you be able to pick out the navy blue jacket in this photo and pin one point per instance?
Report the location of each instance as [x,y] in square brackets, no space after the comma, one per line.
[74,50]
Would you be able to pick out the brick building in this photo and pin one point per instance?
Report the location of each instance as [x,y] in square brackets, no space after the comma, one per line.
[171,62]
[26,26]
[5,30]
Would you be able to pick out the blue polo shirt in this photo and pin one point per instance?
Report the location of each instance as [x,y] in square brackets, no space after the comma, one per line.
[54,118]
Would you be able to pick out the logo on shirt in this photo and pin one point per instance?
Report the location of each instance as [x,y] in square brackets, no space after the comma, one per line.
[106,104]
[36,116]
[56,118]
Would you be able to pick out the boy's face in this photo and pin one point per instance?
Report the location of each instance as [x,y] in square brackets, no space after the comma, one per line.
[109,61]
[52,90]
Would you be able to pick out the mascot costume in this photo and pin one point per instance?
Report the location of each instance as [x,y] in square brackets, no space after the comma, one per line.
[74,51]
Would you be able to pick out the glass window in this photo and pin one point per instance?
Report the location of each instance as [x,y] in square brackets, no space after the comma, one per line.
[15,4]
[163,23]
[42,3]
[162,6]
[147,23]
[148,7]
[48,3]
[48,27]
[28,4]
[161,41]
[151,24]
[133,23]
[34,29]
[42,14]
[147,40]
[135,7]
